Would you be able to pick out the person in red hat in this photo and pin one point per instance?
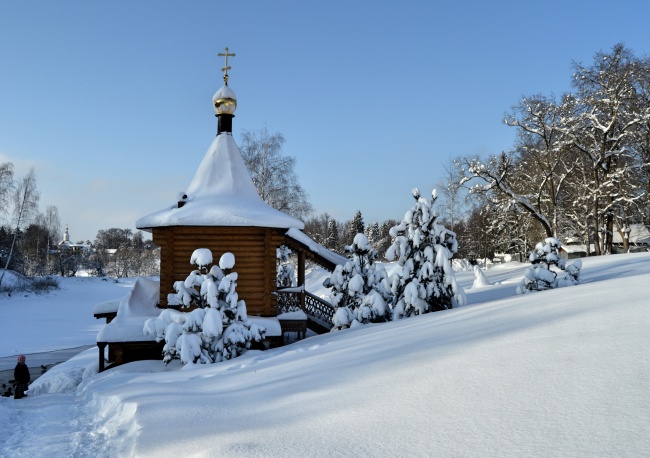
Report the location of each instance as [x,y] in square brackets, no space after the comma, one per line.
[21,378]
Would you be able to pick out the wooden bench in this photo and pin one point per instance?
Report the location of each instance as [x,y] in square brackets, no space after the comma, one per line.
[295,321]
[297,326]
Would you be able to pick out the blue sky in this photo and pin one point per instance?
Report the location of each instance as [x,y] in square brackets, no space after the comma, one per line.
[110,102]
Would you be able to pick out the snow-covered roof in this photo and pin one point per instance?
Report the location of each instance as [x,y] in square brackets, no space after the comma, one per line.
[111,306]
[639,234]
[66,244]
[221,194]
[575,248]
[301,237]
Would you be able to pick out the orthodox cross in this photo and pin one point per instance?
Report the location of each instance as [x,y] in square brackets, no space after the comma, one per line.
[226,68]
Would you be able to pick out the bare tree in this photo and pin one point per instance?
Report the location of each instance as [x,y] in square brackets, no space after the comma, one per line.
[451,188]
[25,200]
[6,185]
[533,176]
[608,130]
[500,185]
[273,174]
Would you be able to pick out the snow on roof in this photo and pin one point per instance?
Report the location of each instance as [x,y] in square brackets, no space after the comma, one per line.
[299,236]
[638,234]
[223,93]
[575,248]
[221,194]
[134,309]
[224,100]
[111,306]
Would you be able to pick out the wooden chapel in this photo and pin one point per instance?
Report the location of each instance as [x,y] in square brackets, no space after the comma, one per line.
[222,211]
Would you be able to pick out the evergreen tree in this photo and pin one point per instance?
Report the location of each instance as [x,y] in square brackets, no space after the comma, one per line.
[424,250]
[285,277]
[541,276]
[360,289]
[356,226]
[332,241]
[384,240]
[372,232]
[218,328]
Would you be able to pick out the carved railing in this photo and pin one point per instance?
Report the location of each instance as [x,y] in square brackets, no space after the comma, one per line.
[318,310]
[289,299]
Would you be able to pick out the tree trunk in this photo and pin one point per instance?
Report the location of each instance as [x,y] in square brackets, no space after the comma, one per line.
[609,235]
[594,214]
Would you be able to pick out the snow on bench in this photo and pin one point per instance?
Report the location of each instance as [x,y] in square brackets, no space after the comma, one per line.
[124,334]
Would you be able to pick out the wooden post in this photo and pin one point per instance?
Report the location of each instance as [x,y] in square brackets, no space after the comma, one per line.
[301,277]
[270,274]
[301,268]
[101,346]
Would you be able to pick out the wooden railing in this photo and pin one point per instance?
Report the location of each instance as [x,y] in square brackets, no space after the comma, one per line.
[289,299]
[319,311]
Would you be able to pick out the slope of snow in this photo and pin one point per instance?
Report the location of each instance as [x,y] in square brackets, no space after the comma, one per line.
[13,279]
[554,373]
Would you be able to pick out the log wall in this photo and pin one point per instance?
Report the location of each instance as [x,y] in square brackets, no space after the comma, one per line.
[255,257]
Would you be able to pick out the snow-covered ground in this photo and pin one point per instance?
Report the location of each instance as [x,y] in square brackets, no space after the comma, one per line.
[556,373]
[63,318]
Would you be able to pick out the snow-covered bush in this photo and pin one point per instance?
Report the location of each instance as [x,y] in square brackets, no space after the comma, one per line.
[541,275]
[423,248]
[360,291]
[218,327]
[480,280]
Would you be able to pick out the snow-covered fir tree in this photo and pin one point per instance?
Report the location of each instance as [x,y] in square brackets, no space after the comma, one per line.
[332,240]
[360,289]
[372,232]
[218,327]
[356,226]
[542,275]
[286,278]
[423,248]
[285,269]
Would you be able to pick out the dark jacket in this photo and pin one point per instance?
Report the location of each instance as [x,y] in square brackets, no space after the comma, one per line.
[21,374]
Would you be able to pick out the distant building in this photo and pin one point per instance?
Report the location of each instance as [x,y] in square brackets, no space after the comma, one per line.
[574,251]
[639,236]
[67,245]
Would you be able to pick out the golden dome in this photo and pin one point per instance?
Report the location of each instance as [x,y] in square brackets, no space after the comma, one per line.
[224,101]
